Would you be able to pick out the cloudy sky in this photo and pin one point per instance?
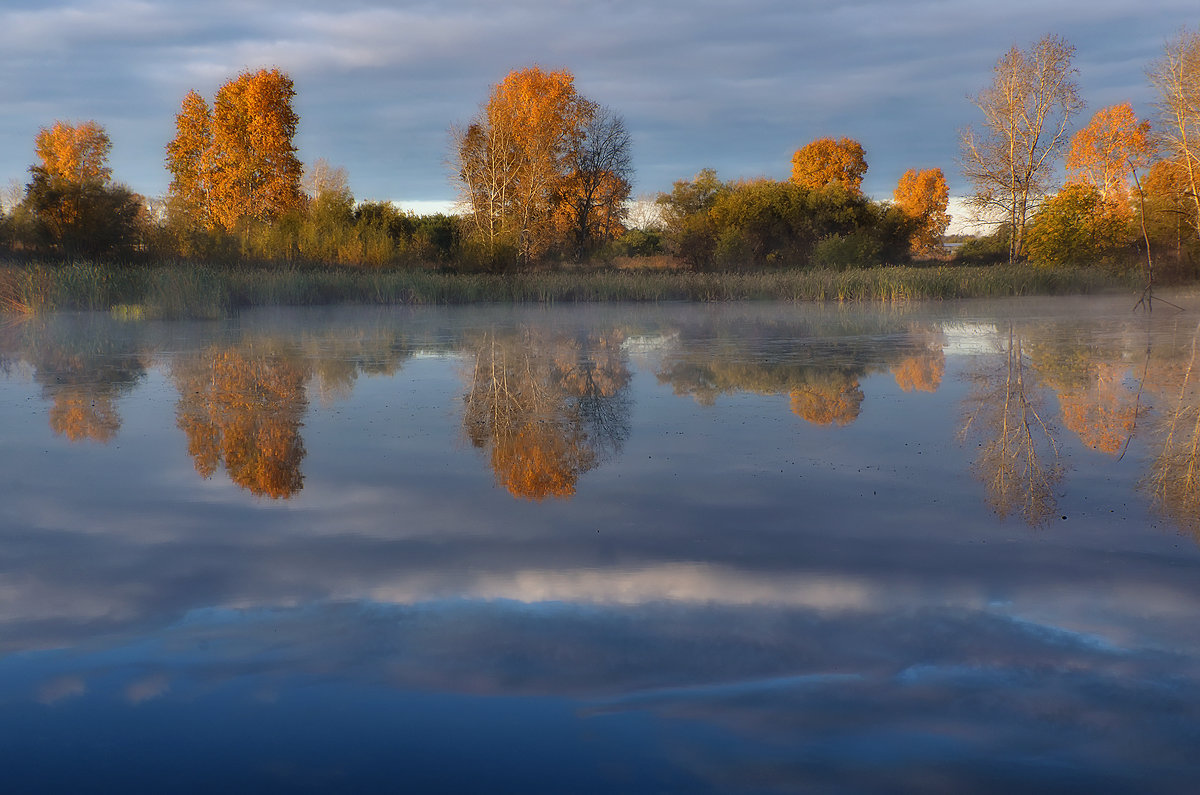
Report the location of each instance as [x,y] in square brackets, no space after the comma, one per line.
[736,86]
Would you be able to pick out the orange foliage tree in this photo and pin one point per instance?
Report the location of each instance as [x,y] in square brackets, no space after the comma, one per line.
[825,161]
[75,207]
[237,161]
[924,197]
[537,144]
[75,153]
[1104,152]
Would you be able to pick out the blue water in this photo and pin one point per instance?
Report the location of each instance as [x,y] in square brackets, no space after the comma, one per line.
[676,548]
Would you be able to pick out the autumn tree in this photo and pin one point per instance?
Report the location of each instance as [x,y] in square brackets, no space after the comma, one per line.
[534,144]
[1166,209]
[237,162]
[1177,77]
[1076,227]
[1026,114]
[1105,153]
[924,196]
[825,161]
[188,156]
[594,191]
[74,205]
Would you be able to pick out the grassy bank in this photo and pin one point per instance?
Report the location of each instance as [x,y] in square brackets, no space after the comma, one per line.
[176,291]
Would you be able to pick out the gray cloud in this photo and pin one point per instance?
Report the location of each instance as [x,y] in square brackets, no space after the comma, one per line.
[734,86]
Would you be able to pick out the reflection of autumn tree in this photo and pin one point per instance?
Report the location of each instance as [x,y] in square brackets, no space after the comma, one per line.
[923,369]
[822,382]
[837,400]
[83,371]
[1018,459]
[243,410]
[549,408]
[1098,404]
[1101,412]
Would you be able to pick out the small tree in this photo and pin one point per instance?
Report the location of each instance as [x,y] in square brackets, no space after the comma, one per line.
[74,207]
[924,196]
[1077,227]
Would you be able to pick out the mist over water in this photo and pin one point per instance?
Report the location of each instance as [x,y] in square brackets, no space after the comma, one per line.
[730,547]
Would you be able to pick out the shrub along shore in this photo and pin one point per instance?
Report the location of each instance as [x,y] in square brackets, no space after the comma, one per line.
[190,291]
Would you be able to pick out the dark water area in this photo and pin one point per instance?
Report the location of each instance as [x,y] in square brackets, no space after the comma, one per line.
[944,547]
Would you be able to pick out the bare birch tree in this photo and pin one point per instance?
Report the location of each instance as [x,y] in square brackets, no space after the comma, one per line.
[1177,77]
[1026,111]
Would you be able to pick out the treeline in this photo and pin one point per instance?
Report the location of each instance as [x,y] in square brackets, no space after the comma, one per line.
[1132,189]
[544,175]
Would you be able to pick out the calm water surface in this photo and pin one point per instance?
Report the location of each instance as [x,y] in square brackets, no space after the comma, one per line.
[754,548]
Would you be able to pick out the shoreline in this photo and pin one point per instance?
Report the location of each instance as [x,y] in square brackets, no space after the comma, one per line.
[204,291]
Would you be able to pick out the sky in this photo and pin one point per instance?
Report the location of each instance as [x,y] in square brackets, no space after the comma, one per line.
[734,86]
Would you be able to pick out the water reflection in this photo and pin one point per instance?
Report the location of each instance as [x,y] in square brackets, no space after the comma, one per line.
[1174,477]
[242,408]
[1018,452]
[547,407]
[83,370]
[731,599]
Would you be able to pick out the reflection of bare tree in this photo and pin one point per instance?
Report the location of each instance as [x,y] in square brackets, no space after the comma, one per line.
[1018,457]
[549,408]
[1174,478]
[243,409]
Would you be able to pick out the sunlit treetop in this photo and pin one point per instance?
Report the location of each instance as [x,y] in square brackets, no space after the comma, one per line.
[826,161]
[75,153]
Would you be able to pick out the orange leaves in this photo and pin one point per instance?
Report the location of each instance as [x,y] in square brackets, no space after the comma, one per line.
[1103,152]
[75,154]
[922,372]
[245,412]
[540,161]
[187,157]
[924,197]
[828,403]
[825,161]
[237,162]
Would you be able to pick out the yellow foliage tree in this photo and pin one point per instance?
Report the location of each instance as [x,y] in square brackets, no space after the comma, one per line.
[825,161]
[1104,152]
[187,160]
[76,154]
[924,197]
[238,161]
[540,162]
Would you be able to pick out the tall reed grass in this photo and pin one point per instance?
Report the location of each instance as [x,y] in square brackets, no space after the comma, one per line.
[189,291]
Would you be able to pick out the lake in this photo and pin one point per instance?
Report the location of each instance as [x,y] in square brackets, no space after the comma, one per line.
[936,547]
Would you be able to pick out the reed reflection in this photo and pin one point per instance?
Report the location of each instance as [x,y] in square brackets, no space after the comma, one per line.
[242,409]
[1018,457]
[547,407]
